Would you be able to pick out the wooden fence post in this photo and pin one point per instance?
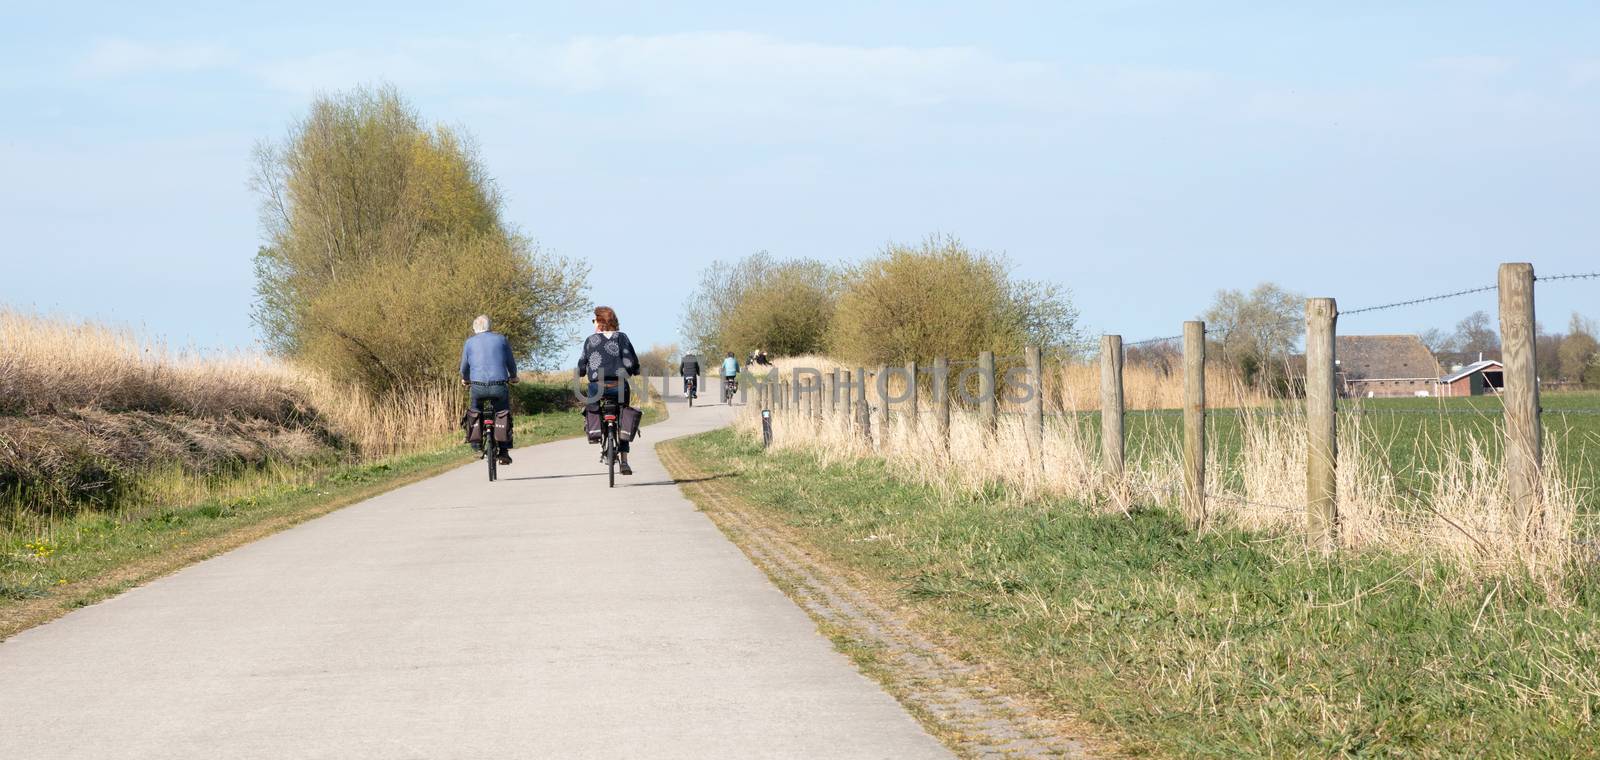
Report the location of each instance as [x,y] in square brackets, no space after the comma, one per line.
[849,395]
[881,379]
[830,389]
[940,387]
[988,397]
[1033,410]
[1524,442]
[1322,441]
[912,413]
[1194,423]
[1112,450]
[863,410]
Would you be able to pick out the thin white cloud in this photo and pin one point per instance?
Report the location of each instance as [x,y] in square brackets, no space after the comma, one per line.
[751,79]
[692,66]
[121,57]
[1474,66]
[722,63]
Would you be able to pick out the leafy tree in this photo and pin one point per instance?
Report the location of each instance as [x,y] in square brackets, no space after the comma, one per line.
[384,240]
[941,299]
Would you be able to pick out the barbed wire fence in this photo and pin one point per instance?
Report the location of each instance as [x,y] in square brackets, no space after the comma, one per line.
[1340,407]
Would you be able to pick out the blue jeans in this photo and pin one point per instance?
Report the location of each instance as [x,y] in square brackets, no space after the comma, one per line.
[500,394]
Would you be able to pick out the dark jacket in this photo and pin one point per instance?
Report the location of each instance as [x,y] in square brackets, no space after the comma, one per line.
[607,358]
[689,365]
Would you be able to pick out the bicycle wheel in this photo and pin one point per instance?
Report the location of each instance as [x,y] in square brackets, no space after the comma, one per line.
[611,461]
[491,453]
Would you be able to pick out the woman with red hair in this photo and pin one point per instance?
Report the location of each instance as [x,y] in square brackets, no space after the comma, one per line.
[606,359]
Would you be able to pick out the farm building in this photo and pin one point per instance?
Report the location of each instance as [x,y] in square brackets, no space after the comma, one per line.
[1385,365]
[1475,379]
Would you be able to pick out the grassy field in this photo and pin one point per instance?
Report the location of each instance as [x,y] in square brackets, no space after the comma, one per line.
[1225,644]
[50,566]
[1413,434]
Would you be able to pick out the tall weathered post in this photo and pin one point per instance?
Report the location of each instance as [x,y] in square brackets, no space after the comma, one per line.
[830,392]
[1194,423]
[988,397]
[1524,444]
[912,413]
[863,410]
[1111,426]
[848,396]
[1322,433]
[882,382]
[940,388]
[1033,407]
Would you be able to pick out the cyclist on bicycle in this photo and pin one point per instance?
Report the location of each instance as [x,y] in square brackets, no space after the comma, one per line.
[730,374]
[488,368]
[606,358]
[689,368]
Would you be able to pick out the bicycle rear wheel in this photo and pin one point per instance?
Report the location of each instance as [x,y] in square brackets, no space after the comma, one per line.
[611,460]
[491,453]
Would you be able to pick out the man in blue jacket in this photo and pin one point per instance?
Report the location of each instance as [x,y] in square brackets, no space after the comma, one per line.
[488,368]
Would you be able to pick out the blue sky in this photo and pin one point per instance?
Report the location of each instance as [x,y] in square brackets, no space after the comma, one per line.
[1144,154]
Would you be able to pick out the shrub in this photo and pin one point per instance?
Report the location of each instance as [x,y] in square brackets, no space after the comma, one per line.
[941,299]
[660,360]
[783,307]
[384,240]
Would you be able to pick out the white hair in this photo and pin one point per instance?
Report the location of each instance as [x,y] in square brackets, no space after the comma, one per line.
[481,324]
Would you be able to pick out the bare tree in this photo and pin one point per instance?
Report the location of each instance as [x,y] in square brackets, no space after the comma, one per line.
[1476,333]
[1257,330]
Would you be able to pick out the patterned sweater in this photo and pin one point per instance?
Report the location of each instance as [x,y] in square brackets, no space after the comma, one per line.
[606,356]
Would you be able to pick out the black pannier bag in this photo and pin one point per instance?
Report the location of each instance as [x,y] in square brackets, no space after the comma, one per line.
[591,425]
[628,423]
[472,422]
[502,426]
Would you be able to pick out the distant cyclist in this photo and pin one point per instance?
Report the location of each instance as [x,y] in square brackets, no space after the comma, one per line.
[730,377]
[488,368]
[689,368]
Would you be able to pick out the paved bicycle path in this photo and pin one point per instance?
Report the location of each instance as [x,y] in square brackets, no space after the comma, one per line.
[540,616]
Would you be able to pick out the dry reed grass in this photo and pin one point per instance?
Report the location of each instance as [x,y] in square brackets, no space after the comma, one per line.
[50,365]
[1459,510]
[91,414]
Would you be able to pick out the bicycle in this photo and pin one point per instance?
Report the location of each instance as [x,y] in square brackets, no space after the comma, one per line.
[609,439]
[691,388]
[730,386]
[491,448]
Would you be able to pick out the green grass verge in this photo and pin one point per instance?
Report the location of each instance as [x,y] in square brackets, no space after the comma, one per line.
[1227,644]
[92,554]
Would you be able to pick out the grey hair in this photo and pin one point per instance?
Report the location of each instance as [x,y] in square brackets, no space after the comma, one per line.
[481,324]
